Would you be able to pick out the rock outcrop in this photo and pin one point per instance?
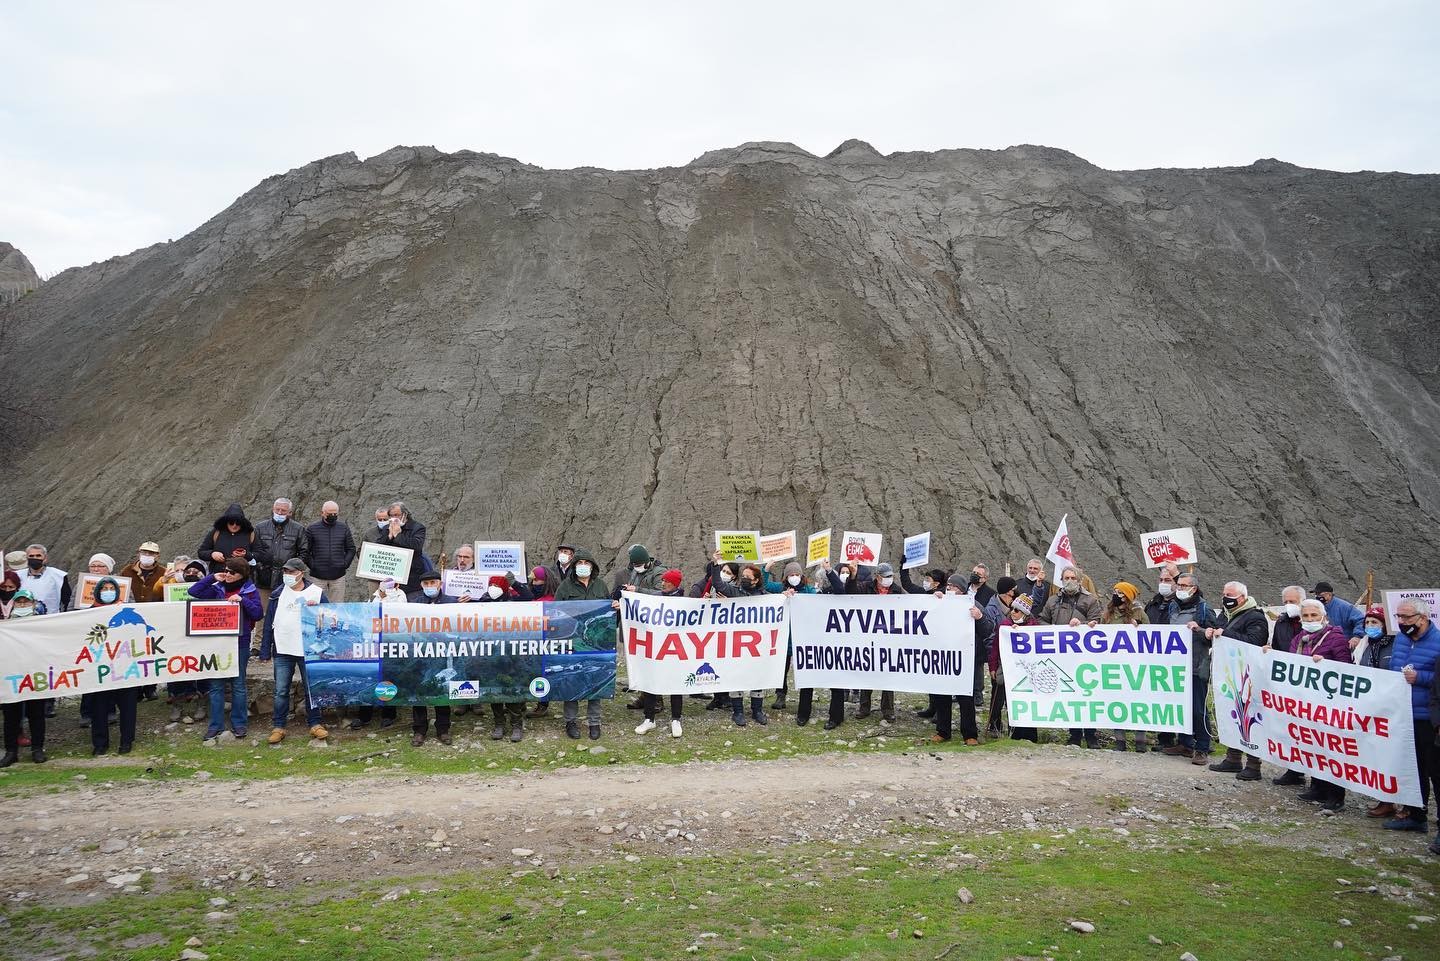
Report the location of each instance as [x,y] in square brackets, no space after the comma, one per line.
[17,274]
[971,342]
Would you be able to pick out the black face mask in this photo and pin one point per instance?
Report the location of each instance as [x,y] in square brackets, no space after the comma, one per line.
[1410,629]
[746,583]
[35,563]
[1118,600]
[1231,603]
[330,518]
[6,593]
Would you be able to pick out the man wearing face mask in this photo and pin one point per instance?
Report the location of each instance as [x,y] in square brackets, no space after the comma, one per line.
[403,530]
[329,551]
[430,593]
[980,584]
[284,635]
[1074,606]
[146,574]
[501,589]
[564,561]
[584,584]
[1035,584]
[1287,625]
[1243,620]
[1158,607]
[1189,608]
[22,605]
[45,583]
[277,539]
[1416,656]
[750,583]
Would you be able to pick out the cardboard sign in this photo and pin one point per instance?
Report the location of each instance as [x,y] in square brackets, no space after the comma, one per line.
[917,550]
[738,545]
[379,562]
[1173,546]
[1393,598]
[858,547]
[817,548]
[455,582]
[204,618]
[87,588]
[501,556]
[178,592]
[777,547]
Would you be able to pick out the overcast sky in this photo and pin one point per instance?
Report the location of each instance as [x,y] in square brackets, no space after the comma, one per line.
[124,124]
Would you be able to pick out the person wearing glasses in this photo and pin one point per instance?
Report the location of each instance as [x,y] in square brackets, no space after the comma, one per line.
[1416,650]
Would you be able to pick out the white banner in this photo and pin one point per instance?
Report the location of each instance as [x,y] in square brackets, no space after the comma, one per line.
[680,645]
[1337,721]
[105,648]
[903,642]
[1113,675]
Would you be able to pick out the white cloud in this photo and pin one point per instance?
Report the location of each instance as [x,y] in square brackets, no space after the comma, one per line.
[130,124]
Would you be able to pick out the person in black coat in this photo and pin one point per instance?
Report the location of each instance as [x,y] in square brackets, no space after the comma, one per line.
[429,593]
[329,551]
[405,531]
[1244,620]
[839,579]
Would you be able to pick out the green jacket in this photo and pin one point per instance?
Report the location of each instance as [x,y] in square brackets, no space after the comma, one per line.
[571,589]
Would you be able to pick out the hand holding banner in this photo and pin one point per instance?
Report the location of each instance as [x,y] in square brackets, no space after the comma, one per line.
[858,547]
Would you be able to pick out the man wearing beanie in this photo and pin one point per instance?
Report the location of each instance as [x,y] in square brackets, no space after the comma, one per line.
[641,574]
[1123,609]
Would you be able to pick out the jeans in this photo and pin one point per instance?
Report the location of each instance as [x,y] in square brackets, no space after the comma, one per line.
[1199,738]
[592,711]
[285,667]
[239,698]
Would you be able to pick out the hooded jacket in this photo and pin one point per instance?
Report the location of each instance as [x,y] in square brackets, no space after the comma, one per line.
[241,544]
[571,589]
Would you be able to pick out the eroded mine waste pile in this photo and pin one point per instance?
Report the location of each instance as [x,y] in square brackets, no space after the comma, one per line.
[971,342]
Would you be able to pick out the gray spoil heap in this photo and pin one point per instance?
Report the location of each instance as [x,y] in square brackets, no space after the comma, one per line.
[17,274]
[968,341]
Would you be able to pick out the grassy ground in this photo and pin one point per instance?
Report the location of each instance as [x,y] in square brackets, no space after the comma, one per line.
[709,735]
[896,899]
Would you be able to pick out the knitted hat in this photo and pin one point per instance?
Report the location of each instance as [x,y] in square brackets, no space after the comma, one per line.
[884,570]
[1022,603]
[105,559]
[539,573]
[496,580]
[672,577]
[1324,587]
[639,555]
[794,568]
[1375,611]
[1005,585]
[1129,590]
[959,580]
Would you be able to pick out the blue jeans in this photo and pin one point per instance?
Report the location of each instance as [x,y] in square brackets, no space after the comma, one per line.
[239,699]
[1199,740]
[285,667]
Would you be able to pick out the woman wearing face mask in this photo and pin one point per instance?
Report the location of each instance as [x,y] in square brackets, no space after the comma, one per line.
[1319,640]
[957,587]
[1020,616]
[838,579]
[671,580]
[503,588]
[1123,609]
[231,582]
[718,571]
[123,700]
[21,604]
[584,584]
[750,583]
[791,582]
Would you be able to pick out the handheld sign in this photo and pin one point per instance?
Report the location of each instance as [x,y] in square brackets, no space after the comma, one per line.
[738,545]
[858,547]
[380,562]
[817,548]
[87,588]
[1173,546]
[777,547]
[501,556]
[917,550]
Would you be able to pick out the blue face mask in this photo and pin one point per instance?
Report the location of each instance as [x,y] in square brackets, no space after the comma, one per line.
[1373,632]
[279,518]
[431,591]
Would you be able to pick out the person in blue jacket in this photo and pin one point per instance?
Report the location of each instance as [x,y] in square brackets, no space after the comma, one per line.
[1342,614]
[1416,650]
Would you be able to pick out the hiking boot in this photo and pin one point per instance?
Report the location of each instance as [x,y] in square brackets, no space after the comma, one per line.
[417,740]
[497,733]
[445,739]
[779,704]
[801,720]
[636,705]
[1198,758]
[1093,743]
[1332,806]
[738,715]
[539,709]
[1141,746]
[594,732]
[862,714]
[1247,773]
[387,722]
[572,730]
[1177,750]
[1434,846]
[356,724]
[276,735]
[319,733]
[517,732]
[717,702]
[757,711]
[1289,778]
[1227,766]
[831,725]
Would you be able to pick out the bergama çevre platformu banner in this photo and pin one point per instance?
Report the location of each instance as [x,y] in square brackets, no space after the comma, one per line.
[1337,721]
[682,645]
[117,646]
[888,642]
[1112,675]
[419,654]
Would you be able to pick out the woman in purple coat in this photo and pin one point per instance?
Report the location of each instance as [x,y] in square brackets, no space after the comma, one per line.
[1320,640]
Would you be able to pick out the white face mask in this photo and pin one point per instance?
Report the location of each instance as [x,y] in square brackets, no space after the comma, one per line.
[844,576]
[928,584]
[146,561]
[1183,594]
[383,524]
[292,581]
[22,611]
[582,570]
[794,580]
[726,576]
[563,557]
[1312,627]
[638,568]
[494,592]
[1166,589]
[1292,610]
[887,581]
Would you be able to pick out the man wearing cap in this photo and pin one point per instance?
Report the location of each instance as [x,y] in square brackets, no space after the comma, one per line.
[284,635]
[329,551]
[146,574]
[1344,615]
[45,583]
[430,593]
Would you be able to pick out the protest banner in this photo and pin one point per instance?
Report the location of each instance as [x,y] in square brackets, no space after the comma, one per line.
[1173,546]
[177,592]
[457,583]
[906,642]
[379,562]
[1392,600]
[1113,675]
[1334,720]
[501,556]
[106,648]
[418,654]
[681,645]
[87,588]
[858,547]
[1059,552]
[817,548]
[917,550]
[738,545]
[777,547]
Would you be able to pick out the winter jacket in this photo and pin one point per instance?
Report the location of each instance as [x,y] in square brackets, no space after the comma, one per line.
[240,544]
[1134,615]
[274,545]
[1420,653]
[1062,608]
[1287,629]
[1197,610]
[571,589]
[1377,652]
[733,588]
[646,582]
[872,586]
[208,588]
[851,586]
[145,586]
[519,591]
[412,535]
[1331,644]
[442,598]
[1345,616]
[1246,623]
[330,550]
